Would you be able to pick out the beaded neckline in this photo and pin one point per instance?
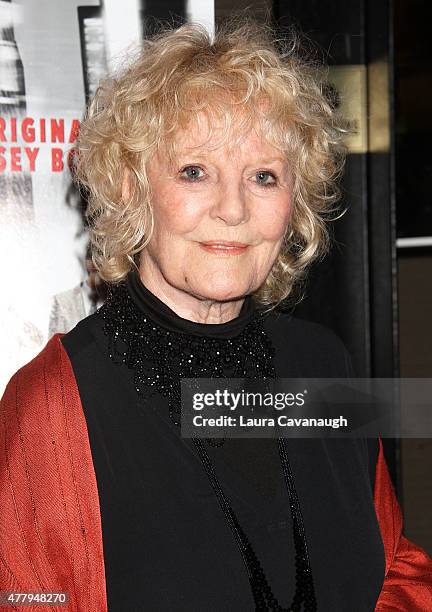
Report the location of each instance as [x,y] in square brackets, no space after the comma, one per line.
[160,356]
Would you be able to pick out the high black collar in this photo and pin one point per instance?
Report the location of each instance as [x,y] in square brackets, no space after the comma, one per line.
[159,312]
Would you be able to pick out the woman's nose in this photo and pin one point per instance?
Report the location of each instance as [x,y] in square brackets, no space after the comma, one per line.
[231,204]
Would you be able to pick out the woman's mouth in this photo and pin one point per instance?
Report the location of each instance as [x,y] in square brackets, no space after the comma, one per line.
[224,248]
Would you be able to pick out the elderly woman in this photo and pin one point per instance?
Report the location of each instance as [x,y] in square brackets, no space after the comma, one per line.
[209,167]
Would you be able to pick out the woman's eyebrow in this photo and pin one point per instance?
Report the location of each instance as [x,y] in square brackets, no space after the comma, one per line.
[198,154]
[201,155]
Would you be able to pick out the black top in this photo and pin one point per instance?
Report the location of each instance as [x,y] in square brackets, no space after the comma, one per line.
[166,542]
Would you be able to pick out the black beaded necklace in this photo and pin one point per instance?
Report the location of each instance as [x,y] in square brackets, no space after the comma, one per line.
[159,358]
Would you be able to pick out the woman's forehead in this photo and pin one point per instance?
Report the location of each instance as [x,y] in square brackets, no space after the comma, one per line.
[204,135]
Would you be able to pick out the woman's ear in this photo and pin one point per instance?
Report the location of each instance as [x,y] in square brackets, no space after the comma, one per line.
[126,185]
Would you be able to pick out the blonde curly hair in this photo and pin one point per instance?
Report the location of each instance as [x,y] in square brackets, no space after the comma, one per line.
[181,70]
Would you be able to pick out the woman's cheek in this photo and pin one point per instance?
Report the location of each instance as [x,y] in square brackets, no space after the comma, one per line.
[273,228]
[185,215]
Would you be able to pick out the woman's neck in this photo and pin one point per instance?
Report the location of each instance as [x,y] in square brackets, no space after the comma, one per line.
[188,306]
[157,310]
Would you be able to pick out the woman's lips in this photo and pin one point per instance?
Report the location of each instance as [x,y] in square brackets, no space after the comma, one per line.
[224,248]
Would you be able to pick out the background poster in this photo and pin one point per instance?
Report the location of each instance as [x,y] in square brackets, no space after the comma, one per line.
[52,55]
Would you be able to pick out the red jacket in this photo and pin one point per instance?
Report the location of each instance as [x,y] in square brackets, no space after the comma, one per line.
[50,525]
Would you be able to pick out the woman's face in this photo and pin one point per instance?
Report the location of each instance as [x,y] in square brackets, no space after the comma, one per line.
[210,197]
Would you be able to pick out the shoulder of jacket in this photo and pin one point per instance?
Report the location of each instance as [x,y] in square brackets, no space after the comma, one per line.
[42,380]
[308,346]
[304,329]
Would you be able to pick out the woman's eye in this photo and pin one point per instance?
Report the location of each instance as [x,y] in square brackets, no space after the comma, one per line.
[191,173]
[265,179]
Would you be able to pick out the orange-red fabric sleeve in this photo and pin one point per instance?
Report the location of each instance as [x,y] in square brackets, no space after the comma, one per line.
[50,527]
[408,568]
